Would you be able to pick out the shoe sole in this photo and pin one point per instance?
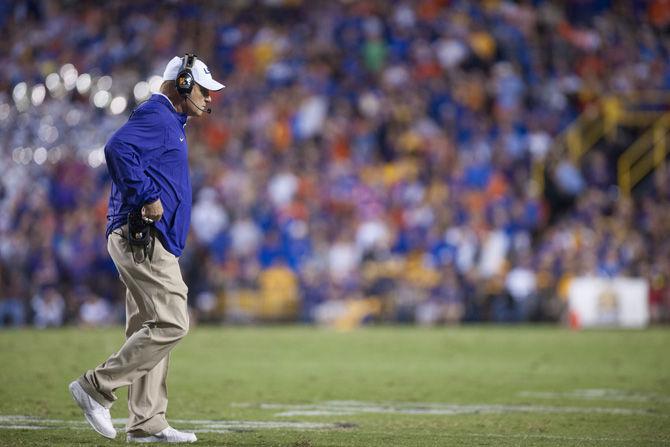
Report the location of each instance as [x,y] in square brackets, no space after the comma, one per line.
[88,418]
[144,440]
[150,439]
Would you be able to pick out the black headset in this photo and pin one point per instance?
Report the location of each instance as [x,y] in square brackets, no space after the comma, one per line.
[184,80]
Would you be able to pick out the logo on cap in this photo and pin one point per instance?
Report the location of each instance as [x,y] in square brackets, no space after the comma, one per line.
[206,70]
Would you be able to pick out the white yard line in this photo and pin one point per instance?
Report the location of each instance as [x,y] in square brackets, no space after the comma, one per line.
[349,408]
[18,422]
[352,408]
[599,394]
[224,427]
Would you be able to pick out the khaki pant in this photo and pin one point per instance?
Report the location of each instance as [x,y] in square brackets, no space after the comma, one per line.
[156,319]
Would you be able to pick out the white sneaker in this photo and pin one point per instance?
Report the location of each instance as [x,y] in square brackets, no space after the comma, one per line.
[166,435]
[96,415]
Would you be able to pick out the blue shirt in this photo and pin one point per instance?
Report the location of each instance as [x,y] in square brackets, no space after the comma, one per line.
[147,159]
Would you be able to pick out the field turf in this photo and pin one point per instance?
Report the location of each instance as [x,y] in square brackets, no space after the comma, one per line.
[385,386]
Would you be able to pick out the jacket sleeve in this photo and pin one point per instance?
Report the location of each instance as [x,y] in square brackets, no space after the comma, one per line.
[129,151]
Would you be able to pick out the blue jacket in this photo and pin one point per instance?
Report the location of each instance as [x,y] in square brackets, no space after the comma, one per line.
[147,159]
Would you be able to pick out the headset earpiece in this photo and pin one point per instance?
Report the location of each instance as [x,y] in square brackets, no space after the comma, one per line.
[184,81]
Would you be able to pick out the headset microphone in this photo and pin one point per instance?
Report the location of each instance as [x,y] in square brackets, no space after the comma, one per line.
[208,109]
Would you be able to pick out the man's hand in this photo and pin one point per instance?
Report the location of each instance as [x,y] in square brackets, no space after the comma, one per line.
[152,211]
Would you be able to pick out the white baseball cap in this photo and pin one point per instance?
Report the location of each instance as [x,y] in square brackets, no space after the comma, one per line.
[201,73]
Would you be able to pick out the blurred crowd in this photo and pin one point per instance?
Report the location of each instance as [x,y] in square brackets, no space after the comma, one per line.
[368,160]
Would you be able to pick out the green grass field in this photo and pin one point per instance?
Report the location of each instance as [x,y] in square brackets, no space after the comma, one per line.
[387,386]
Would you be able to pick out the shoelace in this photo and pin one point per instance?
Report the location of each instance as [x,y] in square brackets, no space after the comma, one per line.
[170,432]
[103,411]
[173,433]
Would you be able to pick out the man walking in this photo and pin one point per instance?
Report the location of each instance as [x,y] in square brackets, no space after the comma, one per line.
[149,215]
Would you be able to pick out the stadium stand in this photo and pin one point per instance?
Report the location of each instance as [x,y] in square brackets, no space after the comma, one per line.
[424,162]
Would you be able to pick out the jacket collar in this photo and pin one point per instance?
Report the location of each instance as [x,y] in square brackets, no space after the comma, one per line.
[161,98]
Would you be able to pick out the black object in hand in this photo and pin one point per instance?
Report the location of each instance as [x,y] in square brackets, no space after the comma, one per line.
[139,230]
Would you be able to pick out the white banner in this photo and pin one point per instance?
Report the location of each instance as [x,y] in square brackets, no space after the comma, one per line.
[609,302]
